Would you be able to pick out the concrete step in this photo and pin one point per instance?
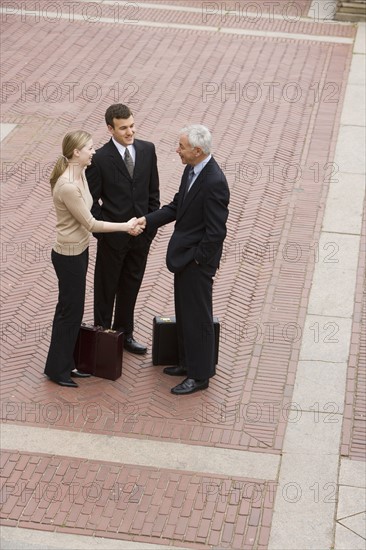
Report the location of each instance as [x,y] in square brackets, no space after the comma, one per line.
[354,10]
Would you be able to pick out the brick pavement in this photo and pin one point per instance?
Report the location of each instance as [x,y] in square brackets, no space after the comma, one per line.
[122,501]
[276,145]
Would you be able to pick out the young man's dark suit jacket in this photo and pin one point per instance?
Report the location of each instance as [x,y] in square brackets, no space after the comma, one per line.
[193,255]
[121,258]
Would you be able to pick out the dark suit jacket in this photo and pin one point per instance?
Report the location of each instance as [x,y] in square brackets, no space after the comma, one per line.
[200,227]
[123,197]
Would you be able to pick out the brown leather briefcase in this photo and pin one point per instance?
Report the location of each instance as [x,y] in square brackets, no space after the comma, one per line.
[99,352]
[165,343]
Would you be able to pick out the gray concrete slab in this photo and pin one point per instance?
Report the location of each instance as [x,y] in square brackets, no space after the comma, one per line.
[346,539]
[352,473]
[305,501]
[356,523]
[350,152]
[351,502]
[5,129]
[333,291]
[360,42]
[354,108]
[344,209]
[320,387]
[144,452]
[14,538]
[326,339]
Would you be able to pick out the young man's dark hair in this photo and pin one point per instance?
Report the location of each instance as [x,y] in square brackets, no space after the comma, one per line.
[118,110]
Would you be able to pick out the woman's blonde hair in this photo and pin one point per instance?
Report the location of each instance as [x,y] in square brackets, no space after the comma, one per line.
[71,141]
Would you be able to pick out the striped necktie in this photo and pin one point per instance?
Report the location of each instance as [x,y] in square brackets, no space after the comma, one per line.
[129,162]
[189,181]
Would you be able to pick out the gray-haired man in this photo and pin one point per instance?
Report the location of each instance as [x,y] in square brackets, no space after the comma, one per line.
[200,209]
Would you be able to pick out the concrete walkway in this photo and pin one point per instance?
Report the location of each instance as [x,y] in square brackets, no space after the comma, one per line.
[272,455]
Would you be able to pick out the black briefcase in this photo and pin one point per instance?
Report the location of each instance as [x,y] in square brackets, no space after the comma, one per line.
[99,352]
[165,343]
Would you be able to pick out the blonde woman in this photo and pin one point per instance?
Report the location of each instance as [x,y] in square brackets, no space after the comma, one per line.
[73,201]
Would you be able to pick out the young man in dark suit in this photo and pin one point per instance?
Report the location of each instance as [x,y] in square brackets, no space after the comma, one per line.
[200,209]
[124,182]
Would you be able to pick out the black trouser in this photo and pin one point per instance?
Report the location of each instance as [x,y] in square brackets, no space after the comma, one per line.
[194,318]
[117,280]
[71,274]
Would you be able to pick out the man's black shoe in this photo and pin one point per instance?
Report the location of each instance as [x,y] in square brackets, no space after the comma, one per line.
[175,371]
[134,347]
[189,385]
[67,383]
[78,374]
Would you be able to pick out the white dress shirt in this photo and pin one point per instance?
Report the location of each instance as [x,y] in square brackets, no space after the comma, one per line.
[198,169]
[122,149]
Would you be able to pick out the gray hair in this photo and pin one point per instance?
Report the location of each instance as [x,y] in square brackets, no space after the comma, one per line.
[198,136]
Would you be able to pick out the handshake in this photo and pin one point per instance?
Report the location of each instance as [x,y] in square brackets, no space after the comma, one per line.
[136,226]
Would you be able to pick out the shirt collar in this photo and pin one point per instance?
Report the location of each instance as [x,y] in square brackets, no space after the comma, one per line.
[199,167]
[121,148]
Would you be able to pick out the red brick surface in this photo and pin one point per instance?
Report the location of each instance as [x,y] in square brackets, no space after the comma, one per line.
[99,499]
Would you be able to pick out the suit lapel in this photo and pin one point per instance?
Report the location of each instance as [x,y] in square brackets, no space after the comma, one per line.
[117,159]
[183,185]
[119,162]
[194,189]
[192,192]
[139,161]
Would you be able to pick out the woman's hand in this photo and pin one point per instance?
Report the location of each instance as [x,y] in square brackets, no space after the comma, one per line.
[134,227]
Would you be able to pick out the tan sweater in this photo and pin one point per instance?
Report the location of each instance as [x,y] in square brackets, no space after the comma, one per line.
[74,219]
